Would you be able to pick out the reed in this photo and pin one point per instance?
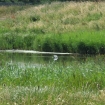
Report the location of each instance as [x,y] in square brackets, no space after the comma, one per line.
[79,82]
[76,27]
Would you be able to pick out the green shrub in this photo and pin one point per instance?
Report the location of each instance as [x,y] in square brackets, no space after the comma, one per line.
[47,45]
[28,42]
[38,42]
[3,44]
[84,48]
[34,18]
[18,42]
[101,48]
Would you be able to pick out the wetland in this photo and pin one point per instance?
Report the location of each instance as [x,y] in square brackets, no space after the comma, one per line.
[41,79]
[64,61]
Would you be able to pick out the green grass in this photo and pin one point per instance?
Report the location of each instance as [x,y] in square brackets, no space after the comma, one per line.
[58,27]
[75,82]
[81,41]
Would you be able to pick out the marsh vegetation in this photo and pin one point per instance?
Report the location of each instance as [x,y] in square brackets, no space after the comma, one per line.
[75,27]
[59,26]
[40,80]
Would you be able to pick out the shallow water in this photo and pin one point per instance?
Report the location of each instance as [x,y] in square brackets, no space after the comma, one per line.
[39,59]
[35,58]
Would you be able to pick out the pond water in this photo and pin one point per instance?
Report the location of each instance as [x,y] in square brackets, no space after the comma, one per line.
[40,58]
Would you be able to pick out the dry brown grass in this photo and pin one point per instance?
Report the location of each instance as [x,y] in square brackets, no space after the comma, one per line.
[59,16]
[31,96]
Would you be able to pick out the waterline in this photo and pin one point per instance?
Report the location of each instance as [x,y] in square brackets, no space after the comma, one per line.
[36,52]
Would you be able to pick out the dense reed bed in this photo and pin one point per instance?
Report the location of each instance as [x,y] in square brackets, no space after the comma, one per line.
[83,42]
[76,82]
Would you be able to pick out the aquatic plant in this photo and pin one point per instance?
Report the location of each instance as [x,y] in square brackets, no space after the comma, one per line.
[54,82]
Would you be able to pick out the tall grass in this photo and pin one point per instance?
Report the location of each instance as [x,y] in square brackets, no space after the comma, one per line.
[76,27]
[82,42]
[53,83]
[60,16]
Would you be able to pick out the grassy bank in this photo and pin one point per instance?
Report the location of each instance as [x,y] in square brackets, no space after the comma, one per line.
[75,82]
[83,42]
[59,26]
[57,17]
